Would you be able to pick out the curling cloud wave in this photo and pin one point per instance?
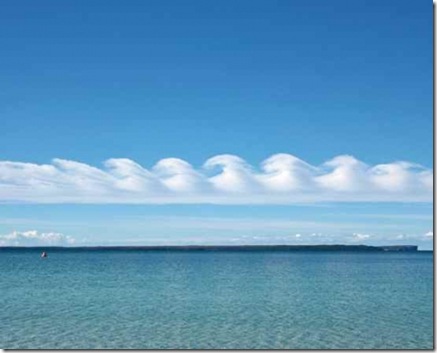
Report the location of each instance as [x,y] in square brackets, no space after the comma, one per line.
[223,179]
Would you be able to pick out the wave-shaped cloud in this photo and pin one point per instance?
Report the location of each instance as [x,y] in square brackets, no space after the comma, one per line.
[35,238]
[223,179]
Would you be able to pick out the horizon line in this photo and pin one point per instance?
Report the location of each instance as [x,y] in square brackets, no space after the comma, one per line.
[400,248]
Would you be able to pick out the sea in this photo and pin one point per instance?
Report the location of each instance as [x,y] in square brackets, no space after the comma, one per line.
[123,299]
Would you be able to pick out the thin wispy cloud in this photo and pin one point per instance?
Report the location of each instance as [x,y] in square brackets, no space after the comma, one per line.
[223,179]
[242,224]
[307,238]
[244,235]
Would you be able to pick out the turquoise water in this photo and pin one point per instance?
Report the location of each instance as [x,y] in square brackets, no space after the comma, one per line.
[206,300]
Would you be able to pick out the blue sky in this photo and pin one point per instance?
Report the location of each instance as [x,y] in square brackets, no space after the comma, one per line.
[89,81]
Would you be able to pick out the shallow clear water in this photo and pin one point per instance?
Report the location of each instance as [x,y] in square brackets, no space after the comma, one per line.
[140,299]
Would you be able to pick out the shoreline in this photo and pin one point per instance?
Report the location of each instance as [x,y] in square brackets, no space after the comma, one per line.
[241,248]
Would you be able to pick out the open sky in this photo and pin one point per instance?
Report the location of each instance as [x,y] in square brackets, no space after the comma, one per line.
[216,122]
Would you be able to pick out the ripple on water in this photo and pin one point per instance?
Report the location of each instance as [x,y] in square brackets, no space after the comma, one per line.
[216,300]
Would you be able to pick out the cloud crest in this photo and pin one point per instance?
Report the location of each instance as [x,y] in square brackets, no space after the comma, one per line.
[223,179]
[35,238]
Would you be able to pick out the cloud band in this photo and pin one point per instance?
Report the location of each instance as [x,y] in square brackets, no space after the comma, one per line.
[223,179]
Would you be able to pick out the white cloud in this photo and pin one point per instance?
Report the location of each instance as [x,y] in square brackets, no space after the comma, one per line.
[286,173]
[179,176]
[35,238]
[236,176]
[360,236]
[430,234]
[348,175]
[223,179]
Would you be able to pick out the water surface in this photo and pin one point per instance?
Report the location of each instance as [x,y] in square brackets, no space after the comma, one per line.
[206,300]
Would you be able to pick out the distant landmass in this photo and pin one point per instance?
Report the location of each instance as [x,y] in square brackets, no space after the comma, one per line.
[355,248]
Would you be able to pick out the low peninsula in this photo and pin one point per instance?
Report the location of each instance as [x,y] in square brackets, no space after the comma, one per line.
[348,248]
